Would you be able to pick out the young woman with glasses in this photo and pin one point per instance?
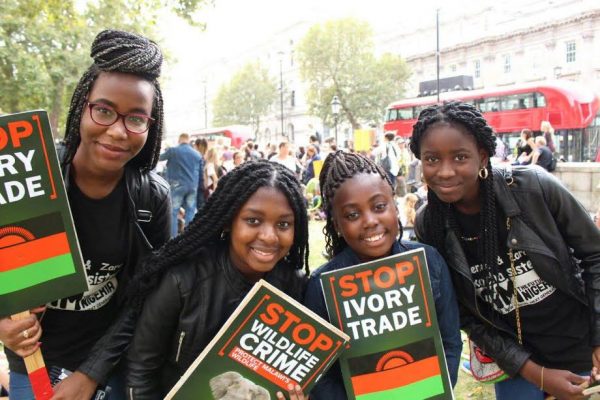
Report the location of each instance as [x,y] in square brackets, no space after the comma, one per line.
[121,212]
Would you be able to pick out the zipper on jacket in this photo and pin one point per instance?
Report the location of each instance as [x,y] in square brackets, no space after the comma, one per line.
[181,336]
[130,393]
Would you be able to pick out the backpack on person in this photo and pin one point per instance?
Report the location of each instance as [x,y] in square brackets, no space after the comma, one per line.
[386,161]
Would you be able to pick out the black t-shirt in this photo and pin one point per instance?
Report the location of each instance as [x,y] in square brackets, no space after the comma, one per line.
[555,326]
[545,158]
[72,325]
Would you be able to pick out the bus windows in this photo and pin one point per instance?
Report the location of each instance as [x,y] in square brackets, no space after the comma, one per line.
[491,104]
[517,101]
[539,100]
[417,110]
[405,113]
[391,114]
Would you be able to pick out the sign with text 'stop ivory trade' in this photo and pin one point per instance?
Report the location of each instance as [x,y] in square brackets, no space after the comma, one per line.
[387,308]
[40,259]
[270,342]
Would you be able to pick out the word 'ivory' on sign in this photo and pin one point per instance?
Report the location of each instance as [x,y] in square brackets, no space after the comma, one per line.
[40,258]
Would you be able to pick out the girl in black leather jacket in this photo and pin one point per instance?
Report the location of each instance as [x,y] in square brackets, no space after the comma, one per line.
[253,227]
[112,142]
[516,243]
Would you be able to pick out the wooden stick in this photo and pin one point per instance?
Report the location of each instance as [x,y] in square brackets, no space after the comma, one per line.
[36,369]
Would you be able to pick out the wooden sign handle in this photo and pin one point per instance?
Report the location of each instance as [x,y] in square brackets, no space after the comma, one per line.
[36,369]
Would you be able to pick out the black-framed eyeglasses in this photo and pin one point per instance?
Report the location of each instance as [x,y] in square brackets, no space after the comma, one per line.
[105,115]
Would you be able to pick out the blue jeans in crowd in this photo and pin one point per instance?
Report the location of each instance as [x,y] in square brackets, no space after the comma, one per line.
[20,389]
[182,196]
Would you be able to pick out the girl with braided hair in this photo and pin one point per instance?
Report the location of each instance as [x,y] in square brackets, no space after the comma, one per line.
[516,242]
[362,225]
[254,226]
[121,212]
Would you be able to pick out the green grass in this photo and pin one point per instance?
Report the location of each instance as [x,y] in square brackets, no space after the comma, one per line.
[467,387]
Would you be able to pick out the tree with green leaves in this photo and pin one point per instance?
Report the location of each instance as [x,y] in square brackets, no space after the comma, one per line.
[44,45]
[246,98]
[337,59]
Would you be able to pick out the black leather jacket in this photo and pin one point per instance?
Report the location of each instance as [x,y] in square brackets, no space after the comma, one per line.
[180,318]
[552,227]
[149,211]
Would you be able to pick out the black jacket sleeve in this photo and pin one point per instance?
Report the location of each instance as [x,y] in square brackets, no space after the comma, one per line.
[582,236]
[150,346]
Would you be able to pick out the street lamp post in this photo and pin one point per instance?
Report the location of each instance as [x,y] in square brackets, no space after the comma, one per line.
[335,110]
[281,88]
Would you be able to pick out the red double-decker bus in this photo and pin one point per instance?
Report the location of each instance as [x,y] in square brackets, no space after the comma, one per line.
[571,109]
[237,134]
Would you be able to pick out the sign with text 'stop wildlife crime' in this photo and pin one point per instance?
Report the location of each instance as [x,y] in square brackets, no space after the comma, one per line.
[40,259]
[269,342]
[387,308]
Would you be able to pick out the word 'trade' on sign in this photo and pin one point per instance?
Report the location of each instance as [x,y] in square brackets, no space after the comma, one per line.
[269,342]
[40,259]
[387,308]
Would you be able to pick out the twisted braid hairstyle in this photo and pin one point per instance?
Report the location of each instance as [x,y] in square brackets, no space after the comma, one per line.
[209,224]
[468,120]
[118,51]
[337,168]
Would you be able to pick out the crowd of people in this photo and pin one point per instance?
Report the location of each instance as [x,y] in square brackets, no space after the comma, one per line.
[514,259]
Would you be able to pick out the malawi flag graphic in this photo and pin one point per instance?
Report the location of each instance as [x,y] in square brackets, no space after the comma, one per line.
[410,372]
[32,252]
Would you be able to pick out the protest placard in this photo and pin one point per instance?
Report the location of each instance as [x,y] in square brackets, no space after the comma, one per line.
[363,139]
[387,308]
[40,259]
[269,342]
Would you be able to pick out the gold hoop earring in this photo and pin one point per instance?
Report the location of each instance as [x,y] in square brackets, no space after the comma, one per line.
[483,173]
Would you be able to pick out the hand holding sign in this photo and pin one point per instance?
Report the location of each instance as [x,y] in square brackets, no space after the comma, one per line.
[21,336]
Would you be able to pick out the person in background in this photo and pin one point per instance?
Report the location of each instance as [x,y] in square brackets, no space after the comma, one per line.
[548,132]
[238,158]
[183,169]
[284,158]
[300,153]
[315,140]
[211,171]
[523,253]
[227,161]
[388,157]
[525,147]
[253,227]
[121,210]
[311,156]
[542,155]
[409,216]
[201,145]
[259,153]
[404,159]
[250,152]
[362,225]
